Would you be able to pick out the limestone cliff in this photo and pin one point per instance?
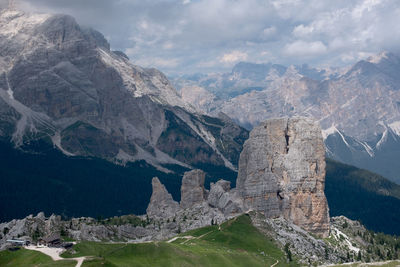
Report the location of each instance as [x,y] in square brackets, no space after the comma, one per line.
[192,190]
[198,207]
[282,173]
[161,202]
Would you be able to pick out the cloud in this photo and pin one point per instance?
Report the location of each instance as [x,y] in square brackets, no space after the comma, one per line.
[233,57]
[303,31]
[305,49]
[180,36]
[158,62]
[268,33]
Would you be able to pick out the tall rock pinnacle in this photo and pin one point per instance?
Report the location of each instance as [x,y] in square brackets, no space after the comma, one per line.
[282,173]
[192,190]
[161,203]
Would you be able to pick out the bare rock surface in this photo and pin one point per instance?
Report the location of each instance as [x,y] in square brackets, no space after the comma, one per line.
[357,106]
[161,203]
[282,173]
[192,190]
[222,197]
[61,81]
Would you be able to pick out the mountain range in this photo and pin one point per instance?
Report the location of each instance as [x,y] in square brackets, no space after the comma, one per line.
[60,83]
[358,106]
[77,108]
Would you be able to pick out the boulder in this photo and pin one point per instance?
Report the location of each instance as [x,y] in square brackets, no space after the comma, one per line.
[226,200]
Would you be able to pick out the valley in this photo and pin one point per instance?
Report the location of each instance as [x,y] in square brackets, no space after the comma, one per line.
[107,163]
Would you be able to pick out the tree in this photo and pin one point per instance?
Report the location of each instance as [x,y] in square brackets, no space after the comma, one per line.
[5,231]
[288,252]
[326,253]
[35,235]
[359,255]
[389,255]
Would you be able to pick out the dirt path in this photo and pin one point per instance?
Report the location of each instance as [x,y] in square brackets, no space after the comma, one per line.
[273,265]
[188,237]
[54,253]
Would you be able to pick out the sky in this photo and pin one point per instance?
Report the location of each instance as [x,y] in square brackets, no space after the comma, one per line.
[191,36]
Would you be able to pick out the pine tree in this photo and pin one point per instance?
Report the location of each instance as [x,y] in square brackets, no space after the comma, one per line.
[359,256]
[288,252]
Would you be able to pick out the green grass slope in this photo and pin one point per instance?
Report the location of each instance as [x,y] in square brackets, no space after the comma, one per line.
[29,258]
[236,243]
[364,196]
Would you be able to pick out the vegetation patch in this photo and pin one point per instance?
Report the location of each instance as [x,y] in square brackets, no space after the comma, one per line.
[363,196]
[234,243]
[29,258]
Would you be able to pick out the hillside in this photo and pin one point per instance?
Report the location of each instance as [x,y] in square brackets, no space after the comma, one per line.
[68,182]
[361,195]
[61,83]
[54,183]
[249,239]
[236,243]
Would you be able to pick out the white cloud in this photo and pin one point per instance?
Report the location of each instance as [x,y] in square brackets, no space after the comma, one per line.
[302,31]
[233,57]
[268,32]
[305,49]
[156,62]
[214,34]
[366,5]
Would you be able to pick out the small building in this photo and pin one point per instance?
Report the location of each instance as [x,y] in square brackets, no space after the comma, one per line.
[52,240]
[18,242]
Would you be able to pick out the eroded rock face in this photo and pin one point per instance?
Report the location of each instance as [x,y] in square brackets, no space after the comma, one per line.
[192,190]
[282,173]
[222,197]
[61,81]
[198,207]
[161,204]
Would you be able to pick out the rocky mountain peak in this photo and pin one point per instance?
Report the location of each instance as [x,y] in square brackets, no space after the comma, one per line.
[378,58]
[192,190]
[161,202]
[361,100]
[282,173]
[218,204]
[61,83]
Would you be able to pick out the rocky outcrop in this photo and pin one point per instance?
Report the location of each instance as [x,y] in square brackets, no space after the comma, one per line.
[192,190]
[161,204]
[282,173]
[198,207]
[29,228]
[222,197]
